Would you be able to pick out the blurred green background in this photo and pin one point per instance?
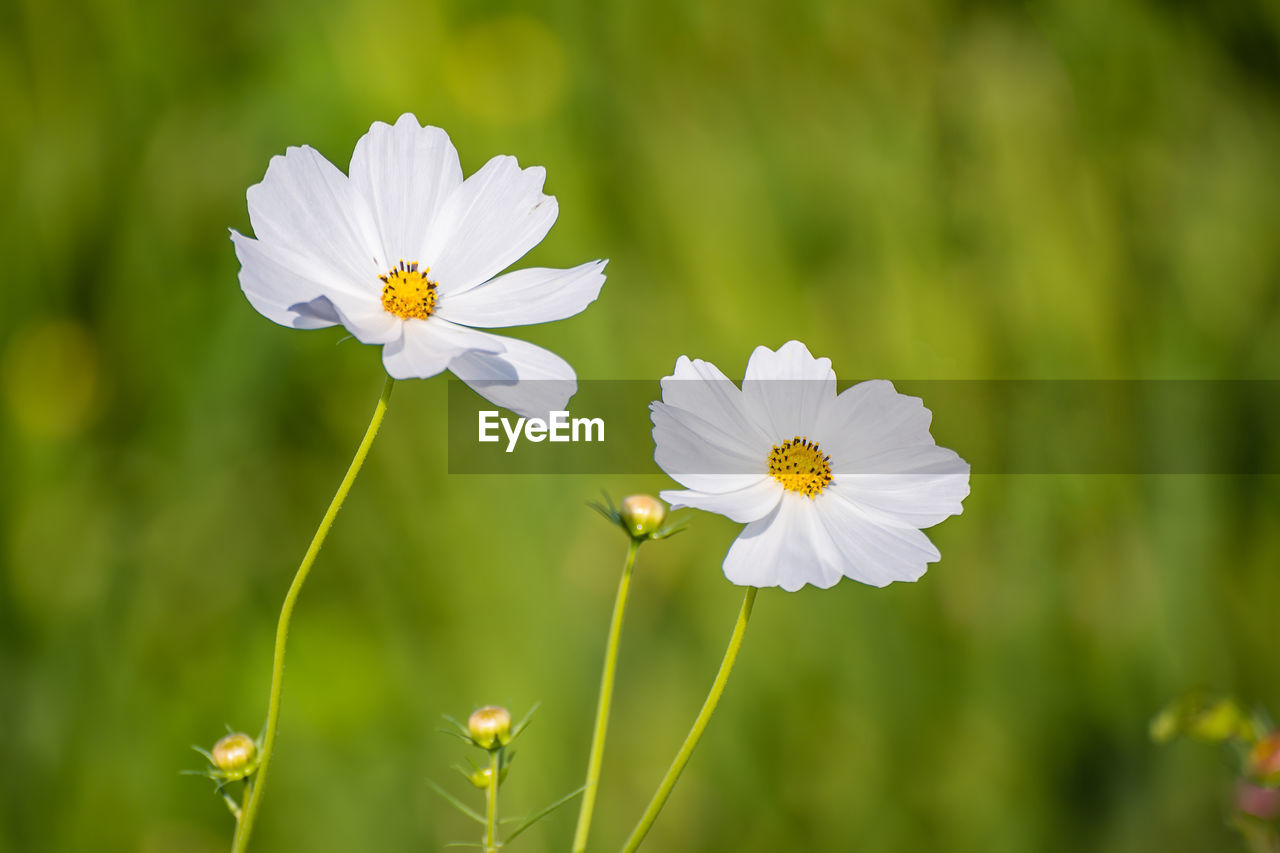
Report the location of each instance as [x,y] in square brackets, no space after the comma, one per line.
[919,190]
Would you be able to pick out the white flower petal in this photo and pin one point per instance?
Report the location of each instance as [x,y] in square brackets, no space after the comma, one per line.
[741,505]
[282,295]
[699,388]
[788,548]
[788,390]
[488,223]
[916,459]
[908,500]
[525,378]
[305,206]
[277,292]
[754,557]
[869,420]
[873,553]
[695,455]
[427,347]
[829,563]
[792,360]
[372,324]
[885,460]
[523,297]
[405,172]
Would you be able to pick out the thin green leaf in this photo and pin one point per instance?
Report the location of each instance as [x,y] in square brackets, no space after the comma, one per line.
[525,720]
[456,803]
[540,815]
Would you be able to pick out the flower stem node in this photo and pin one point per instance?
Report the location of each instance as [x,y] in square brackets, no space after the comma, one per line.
[642,515]
[490,727]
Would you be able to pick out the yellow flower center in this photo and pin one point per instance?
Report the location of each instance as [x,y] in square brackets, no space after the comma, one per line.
[408,293]
[799,466]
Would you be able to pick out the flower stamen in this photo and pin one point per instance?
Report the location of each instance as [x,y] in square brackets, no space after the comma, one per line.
[800,467]
[407,293]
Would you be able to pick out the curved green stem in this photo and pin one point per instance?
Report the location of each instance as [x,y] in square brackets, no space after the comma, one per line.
[606,700]
[491,803]
[253,793]
[699,725]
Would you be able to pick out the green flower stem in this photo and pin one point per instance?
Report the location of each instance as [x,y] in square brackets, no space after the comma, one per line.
[699,725]
[253,791]
[606,700]
[491,803]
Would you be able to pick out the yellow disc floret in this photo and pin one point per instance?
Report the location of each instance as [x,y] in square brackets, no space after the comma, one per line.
[408,293]
[799,466]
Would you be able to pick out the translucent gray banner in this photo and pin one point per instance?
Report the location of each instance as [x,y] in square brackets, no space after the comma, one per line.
[1200,427]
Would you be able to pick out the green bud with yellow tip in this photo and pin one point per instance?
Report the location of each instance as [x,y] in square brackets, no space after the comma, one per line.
[642,515]
[490,727]
[235,756]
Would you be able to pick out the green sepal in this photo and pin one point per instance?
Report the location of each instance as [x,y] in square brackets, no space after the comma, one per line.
[524,721]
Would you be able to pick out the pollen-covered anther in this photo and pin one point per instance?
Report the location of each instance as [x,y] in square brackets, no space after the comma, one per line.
[800,467]
[408,293]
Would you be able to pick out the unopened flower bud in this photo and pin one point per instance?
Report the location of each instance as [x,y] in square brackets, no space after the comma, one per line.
[642,514]
[490,727]
[235,756]
[1264,759]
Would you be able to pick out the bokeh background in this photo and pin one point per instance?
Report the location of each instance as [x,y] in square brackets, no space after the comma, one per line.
[919,190]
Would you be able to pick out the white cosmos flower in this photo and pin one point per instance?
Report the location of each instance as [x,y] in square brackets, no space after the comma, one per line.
[829,485]
[406,254]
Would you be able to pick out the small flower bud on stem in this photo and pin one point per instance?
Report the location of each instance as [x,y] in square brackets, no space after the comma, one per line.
[490,727]
[642,515]
[235,756]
